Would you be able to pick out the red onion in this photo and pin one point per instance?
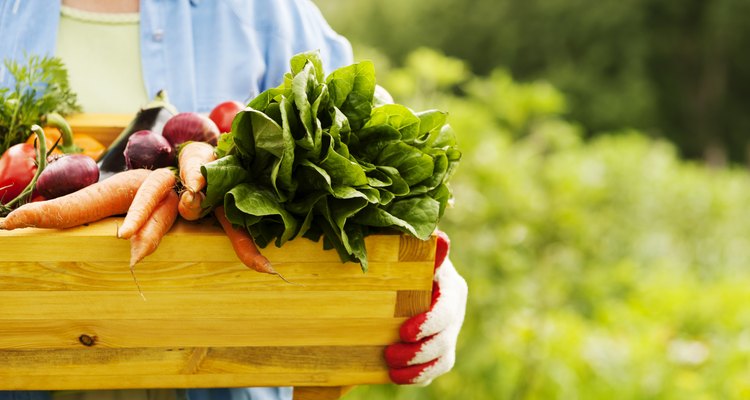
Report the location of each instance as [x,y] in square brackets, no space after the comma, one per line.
[190,126]
[67,174]
[146,149]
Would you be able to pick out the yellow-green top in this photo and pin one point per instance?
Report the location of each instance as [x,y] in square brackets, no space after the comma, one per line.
[102,49]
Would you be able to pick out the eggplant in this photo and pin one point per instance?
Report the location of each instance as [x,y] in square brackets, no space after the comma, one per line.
[152,118]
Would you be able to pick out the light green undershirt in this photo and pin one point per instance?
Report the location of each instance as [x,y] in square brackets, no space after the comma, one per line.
[102,54]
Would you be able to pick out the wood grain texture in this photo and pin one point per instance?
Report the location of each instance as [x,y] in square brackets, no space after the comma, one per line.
[176,367]
[320,393]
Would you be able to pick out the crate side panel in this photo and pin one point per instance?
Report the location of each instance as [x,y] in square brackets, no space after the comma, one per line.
[191,367]
[63,333]
[211,276]
[194,305]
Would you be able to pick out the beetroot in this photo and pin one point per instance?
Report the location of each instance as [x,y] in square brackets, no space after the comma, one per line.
[146,149]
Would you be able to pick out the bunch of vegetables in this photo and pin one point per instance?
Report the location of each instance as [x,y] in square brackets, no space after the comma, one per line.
[315,157]
[39,95]
[318,157]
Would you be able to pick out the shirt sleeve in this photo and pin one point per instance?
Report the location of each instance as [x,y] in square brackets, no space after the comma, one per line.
[300,27]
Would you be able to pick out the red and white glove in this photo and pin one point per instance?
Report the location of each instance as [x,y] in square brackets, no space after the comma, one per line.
[428,340]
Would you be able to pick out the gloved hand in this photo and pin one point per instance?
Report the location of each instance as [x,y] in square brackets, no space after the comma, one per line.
[428,347]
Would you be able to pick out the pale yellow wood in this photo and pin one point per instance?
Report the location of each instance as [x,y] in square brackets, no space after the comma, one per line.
[163,332]
[211,277]
[414,249]
[229,366]
[412,302]
[185,242]
[85,381]
[320,393]
[195,305]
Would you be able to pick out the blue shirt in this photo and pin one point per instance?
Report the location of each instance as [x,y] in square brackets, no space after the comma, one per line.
[202,53]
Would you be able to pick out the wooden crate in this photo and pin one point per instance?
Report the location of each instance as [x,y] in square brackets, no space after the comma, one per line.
[71,316]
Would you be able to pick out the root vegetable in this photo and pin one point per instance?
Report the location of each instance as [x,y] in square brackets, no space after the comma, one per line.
[111,196]
[192,156]
[67,174]
[153,190]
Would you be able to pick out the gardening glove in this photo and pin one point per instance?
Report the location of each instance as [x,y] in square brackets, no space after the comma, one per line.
[428,340]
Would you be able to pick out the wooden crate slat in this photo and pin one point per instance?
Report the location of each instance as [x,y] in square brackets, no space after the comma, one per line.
[166,332]
[207,243]
[195,305]
[208,277]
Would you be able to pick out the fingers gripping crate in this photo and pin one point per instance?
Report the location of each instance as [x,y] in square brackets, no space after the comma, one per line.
[71,316]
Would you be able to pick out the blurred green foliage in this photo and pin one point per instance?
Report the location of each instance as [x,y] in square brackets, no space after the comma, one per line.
[601,269]
[672,68]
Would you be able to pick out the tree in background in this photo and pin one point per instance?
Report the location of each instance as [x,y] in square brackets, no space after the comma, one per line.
[671,68]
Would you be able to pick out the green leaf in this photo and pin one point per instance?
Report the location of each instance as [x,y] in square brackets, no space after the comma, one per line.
[343,171]
[299,61]
[352,89]
[397,116]
[413,165]
[259,202]
[417,216]
[221,176]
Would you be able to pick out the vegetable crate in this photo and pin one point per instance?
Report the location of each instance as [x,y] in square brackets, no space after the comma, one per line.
[72,315]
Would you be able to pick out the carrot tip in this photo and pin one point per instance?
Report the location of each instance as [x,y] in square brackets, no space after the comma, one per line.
[132,272]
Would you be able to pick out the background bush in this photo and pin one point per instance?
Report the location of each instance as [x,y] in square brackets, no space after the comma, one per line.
[677,69]
[604,268]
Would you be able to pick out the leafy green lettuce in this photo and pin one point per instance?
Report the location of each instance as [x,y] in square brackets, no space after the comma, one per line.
[316,158]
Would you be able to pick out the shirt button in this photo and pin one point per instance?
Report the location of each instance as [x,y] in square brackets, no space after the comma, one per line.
[158,35]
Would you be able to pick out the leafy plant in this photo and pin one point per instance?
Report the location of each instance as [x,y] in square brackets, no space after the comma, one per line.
[315,157]
[40,87]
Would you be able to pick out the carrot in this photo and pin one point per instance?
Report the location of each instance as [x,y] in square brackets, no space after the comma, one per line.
[244,245]
[146,240]
[111,196]
[190,205]
[154,189]
[192,156]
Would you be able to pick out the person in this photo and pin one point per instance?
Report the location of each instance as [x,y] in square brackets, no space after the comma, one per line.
[121,52]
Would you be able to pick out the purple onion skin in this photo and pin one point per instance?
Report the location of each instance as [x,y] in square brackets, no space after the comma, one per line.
[67,174]
[146,149]
[190,126]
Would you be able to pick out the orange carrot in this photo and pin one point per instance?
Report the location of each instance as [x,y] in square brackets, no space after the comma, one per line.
[244,245]
[192,156]
[190,205]
[154,189]
[147,238]
[111,196]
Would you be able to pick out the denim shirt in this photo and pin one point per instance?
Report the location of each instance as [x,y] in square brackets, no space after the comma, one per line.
[201,52]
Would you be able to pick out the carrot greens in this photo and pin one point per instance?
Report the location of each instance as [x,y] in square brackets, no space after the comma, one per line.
[38,86]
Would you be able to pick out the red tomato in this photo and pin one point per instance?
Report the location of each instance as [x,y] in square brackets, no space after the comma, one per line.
[17,169]
[224,113]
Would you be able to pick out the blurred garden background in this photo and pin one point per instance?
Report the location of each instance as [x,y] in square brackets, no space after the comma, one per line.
[602,204]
